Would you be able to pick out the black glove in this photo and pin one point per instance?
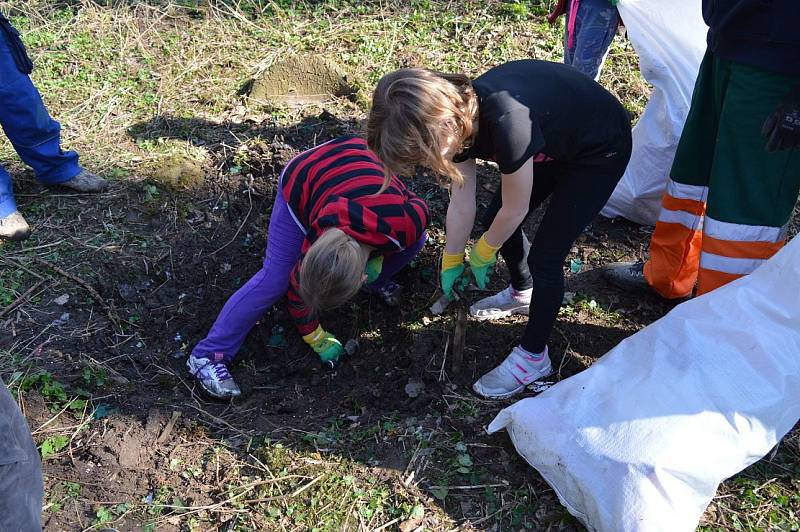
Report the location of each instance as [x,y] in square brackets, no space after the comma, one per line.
[782,128]
[21,59]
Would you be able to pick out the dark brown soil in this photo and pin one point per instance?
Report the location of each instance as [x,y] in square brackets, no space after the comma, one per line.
[166,265]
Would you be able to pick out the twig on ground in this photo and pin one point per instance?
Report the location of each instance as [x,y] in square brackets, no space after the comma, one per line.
[83,284]
[21,299]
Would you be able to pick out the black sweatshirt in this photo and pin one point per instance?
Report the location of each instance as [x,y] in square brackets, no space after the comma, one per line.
[760,33]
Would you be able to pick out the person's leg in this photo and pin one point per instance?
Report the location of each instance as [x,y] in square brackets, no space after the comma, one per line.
[33,133]
[752,193]
[209,359]
[21,483]
[395,262]
[516,248]
[7,202]
[577,199]
[384,286]
[268,285]
[580,192]
[590,28]
[516,297]
[675,245]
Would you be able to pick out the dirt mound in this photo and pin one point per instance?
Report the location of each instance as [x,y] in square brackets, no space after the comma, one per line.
[301,79]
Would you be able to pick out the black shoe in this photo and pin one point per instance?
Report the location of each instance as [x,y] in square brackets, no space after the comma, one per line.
[626,275]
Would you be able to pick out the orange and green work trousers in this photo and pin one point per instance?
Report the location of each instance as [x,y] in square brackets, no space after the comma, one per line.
[728,201]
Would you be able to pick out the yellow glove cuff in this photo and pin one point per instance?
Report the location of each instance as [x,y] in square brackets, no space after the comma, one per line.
[483,249]
[315,336]
[451,260]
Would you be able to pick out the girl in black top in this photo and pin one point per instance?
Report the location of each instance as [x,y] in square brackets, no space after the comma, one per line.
[554,133]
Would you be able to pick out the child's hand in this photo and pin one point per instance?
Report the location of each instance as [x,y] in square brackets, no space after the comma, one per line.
[325,345]
[482,258]
[373,270]
[452,269]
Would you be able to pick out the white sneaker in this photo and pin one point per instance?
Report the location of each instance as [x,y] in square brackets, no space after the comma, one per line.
[502,304]
[517,371]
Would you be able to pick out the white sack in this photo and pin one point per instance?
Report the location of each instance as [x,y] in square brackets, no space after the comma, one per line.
[670,38]
[642,439]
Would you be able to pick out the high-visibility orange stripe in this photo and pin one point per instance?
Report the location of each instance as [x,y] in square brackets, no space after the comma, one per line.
[741,250]
[686,205]
[708,280]
[674,260]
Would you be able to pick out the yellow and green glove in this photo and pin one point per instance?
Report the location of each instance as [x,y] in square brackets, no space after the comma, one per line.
[451,275]
[373,269]
[325,345]
[482,258]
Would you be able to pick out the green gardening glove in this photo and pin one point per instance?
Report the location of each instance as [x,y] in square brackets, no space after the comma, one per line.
[482,258]
[325,345]
[451,275]
[373,269]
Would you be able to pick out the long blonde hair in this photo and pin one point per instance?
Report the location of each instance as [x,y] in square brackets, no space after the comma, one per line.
[416,114]
[332,270]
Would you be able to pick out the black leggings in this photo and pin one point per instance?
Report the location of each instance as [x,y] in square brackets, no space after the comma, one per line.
[577,191]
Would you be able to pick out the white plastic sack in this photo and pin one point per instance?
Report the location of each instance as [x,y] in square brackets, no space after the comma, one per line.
[670,38]
[642,439]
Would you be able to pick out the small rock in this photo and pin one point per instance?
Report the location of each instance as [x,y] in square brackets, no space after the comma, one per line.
[351,347]
[126,292]
[414,388]
[61,320]
[61,300]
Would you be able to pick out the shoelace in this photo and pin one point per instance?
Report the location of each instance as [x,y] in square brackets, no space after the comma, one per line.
[220,371]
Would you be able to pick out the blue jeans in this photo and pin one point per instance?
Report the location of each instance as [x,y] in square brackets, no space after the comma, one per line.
[34,135]
[588,33]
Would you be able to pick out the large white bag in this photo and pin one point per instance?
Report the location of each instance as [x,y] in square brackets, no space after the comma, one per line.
[642,439]
[670,39]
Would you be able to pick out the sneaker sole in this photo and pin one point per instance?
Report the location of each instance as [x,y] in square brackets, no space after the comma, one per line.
[208,394]
[502,314]
[499,396]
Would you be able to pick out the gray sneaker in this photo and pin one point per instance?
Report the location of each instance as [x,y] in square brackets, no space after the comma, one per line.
[86,182]
[517,371]
[213,376]
[626,275]
[502,304]
[14,227]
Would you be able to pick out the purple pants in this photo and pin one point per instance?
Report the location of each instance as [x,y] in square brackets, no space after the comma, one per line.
[245,307]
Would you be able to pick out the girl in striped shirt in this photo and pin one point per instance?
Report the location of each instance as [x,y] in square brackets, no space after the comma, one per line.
[338,223]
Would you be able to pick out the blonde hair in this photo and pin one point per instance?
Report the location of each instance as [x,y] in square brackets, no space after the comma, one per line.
[332,270]
[417,113]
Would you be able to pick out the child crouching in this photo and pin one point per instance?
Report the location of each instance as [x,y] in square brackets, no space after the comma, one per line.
[339,223]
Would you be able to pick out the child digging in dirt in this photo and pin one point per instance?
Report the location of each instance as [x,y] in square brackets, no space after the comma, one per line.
[338,221]
[524,115]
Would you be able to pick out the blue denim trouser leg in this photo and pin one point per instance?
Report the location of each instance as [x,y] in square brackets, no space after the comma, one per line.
[588,33]
[34,135]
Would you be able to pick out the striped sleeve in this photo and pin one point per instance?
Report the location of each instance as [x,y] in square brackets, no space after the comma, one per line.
[304,319]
